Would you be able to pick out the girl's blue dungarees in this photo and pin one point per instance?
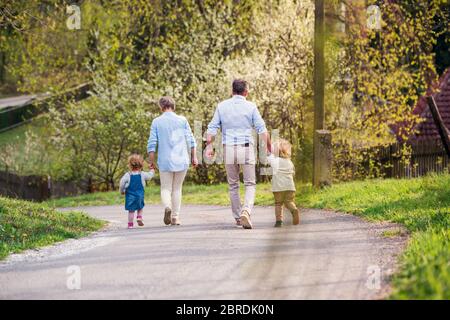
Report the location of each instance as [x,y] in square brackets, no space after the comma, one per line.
[134,196]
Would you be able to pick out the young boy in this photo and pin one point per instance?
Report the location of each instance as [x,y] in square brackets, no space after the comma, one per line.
[283,186]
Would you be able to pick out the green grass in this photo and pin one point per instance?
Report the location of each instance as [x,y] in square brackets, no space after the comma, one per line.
[192,194]
[27,225]
[25,160]
[421,205]
[15,135]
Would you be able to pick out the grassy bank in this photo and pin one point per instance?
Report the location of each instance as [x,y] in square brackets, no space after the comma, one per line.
[26,225]
[422,205]
[19,154]
[15,135]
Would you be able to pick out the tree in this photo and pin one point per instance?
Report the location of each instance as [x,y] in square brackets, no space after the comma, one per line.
[380,76]
[192,63]
[95,136]
[280,71]
[43,54]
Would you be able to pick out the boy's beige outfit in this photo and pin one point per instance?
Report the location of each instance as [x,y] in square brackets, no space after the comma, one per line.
[283,186]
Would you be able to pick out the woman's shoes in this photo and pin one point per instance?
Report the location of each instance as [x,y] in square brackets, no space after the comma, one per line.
[167,216]
[175,221]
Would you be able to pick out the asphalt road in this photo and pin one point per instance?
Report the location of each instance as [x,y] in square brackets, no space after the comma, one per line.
[329,256]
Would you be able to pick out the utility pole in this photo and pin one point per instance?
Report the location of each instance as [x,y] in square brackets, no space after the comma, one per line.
[319,88]
[319,65]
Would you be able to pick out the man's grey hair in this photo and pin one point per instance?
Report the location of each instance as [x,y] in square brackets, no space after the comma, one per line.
[240,86]
[167,102]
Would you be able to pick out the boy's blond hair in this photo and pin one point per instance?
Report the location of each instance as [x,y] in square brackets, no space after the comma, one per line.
[284,148]
[135,162]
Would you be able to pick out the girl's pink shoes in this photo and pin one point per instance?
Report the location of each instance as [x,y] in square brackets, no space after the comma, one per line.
[140,222]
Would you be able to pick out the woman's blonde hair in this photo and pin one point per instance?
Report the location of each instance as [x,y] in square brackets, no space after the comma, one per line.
[284,148]
[135,162]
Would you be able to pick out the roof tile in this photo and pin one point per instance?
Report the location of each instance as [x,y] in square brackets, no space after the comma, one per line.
[427,129]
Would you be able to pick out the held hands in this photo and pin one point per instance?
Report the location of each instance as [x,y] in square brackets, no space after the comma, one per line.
[194,162]
[209,151]
[151,166]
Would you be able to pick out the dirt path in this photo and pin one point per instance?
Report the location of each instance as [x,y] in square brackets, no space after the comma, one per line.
[329,256]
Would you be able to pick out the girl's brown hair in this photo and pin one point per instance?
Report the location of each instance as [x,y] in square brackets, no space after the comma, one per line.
[284,148]
[135,162]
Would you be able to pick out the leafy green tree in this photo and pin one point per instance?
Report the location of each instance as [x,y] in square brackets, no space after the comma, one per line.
[380,76]
[95,136]
[280,71]
[192,63]
[192,49]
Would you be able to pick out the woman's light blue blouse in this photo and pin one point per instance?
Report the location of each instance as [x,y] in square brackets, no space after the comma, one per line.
[171,136]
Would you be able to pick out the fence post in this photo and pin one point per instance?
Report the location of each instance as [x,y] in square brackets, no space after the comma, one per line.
[323,158]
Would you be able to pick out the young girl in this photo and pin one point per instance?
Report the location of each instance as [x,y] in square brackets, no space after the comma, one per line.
[283,186]
[132,186]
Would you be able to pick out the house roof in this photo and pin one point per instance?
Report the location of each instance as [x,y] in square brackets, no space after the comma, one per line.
[427,129]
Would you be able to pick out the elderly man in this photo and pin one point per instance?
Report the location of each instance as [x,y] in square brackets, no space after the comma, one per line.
[237,118]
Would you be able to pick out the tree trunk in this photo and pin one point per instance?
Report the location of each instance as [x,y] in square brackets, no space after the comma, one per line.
[319,77]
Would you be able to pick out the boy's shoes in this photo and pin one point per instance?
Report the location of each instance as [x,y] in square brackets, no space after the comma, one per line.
[238,223]
[278,224]
[140,222]
[175,222]
[167,216]
[245,220]
[130,225]
[296,217]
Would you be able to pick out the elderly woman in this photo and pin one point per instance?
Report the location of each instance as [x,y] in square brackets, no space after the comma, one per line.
[171,136]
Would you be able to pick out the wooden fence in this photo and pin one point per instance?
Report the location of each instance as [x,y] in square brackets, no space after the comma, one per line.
[426,157]
[38,188]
